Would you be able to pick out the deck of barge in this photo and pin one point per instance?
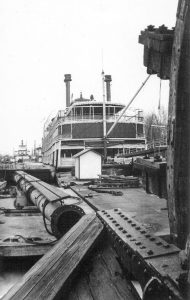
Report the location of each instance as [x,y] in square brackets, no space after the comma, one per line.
[147,209]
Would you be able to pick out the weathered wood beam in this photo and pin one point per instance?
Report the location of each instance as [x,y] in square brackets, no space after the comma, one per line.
[23,250]
[142,164]
[178,165]
[50,276]
[106,279]
[144,152]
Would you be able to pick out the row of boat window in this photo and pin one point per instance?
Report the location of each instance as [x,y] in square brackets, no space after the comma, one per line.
[110,152]
[80,111]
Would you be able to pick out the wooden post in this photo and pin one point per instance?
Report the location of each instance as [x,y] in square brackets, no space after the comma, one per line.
[178,165]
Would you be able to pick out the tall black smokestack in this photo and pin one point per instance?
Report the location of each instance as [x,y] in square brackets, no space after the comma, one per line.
[67,83]
[108,89]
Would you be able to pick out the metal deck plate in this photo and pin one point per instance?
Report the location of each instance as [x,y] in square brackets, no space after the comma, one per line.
[134,235]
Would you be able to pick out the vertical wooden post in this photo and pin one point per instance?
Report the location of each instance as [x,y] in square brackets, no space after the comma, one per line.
[178,165]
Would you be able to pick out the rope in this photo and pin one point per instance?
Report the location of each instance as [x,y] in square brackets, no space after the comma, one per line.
[28,240]
[3,209]
[44,218]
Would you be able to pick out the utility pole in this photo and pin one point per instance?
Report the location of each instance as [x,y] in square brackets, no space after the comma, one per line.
[178,160]
[167,54]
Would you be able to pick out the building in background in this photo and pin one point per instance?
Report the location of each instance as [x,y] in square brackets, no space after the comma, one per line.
[83,160]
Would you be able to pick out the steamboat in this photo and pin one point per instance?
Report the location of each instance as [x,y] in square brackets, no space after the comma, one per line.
[108,239]
[85,123]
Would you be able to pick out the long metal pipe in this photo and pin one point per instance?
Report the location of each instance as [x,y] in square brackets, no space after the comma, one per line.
[61,217]
[126,107]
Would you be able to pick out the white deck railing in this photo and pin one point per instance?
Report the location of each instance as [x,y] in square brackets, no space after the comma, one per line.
[162,142]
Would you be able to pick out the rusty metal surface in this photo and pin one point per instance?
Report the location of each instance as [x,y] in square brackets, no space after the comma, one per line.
[136,236]
[144,255]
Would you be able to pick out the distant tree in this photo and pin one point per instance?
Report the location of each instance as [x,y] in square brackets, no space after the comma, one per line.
[156,125]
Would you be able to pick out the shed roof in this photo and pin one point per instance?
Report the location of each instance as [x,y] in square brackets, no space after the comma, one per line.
[85,151]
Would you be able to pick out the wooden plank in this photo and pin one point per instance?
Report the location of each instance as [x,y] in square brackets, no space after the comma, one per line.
[148,163]
[149,151]
[80,289]
[23,250]
[178,163]
[51,274]
[32,211]
[102,278]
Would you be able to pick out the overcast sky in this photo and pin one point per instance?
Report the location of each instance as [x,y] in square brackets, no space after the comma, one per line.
[41,40]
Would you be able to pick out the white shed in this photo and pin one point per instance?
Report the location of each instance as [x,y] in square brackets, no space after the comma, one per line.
[88,164]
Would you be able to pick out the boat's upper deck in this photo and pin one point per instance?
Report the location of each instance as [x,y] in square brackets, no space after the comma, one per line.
[92,111]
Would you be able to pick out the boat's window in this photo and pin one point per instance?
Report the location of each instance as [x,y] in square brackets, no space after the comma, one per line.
[78,111]
[86,110]
[59,129]
[66,153]
[117,109]
[110,152]
[111,111]
[120,150]
[98,111]
[132,150]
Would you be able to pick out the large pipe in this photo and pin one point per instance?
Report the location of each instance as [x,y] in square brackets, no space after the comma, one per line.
[108,88]
[61,217]
[67,83]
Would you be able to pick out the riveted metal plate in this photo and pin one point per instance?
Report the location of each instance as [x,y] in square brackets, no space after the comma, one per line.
[142,254]
[134,235]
